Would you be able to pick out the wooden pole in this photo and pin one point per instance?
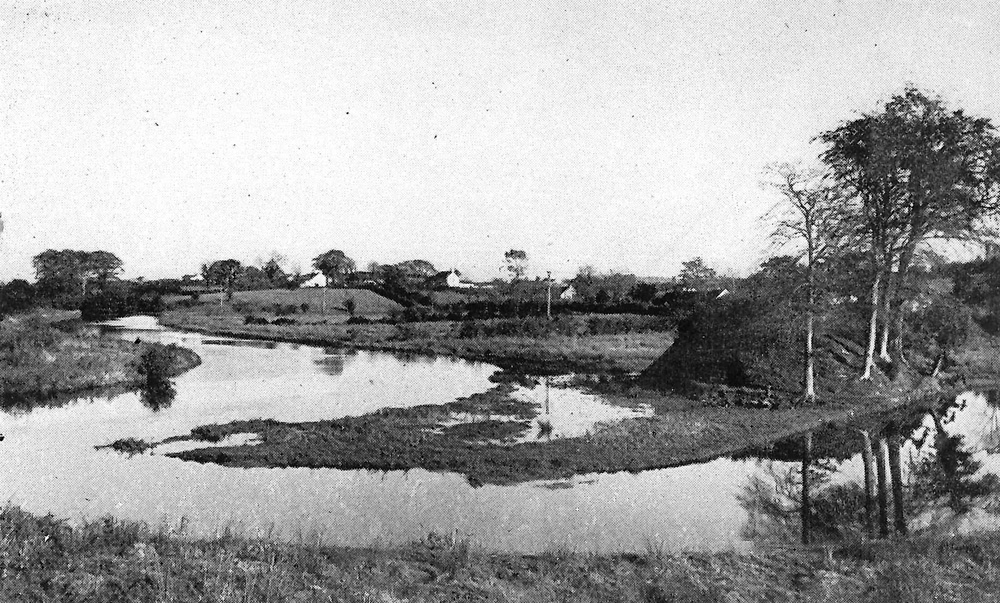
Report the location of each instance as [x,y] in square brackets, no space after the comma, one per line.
[806,461]
[896,471]
[883,484]
[869,460]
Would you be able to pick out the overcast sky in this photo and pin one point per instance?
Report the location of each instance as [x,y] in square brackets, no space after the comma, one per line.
[172,133]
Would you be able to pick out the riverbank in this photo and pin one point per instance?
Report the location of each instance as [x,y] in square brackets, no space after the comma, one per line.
[42,558]
[38,360]
[477,438]
[611,345]
[483,437]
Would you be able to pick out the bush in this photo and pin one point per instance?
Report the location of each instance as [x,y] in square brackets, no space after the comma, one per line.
[156,364]
[16,296]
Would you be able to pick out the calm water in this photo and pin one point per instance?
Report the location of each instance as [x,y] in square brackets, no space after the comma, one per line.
[49,464]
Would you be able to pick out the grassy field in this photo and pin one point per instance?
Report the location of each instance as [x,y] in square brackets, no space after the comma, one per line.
[538,353]
[366,302]
[110,561]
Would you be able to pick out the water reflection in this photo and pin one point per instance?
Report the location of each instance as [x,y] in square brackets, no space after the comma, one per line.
[49,464]
[246,343]
[946,482]
[158,396]
[334,361]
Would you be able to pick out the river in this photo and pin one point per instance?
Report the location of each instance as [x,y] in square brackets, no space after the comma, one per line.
[49,462]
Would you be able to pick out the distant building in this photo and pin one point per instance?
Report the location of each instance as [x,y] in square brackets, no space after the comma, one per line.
[316,280]
[363,278]
[451,280]
[568,294]
[192,278]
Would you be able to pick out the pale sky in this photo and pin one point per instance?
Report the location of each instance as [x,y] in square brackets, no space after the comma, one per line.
[623,135]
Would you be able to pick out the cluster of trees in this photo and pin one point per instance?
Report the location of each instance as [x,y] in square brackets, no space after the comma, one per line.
[613,288]
[66,277]
[891,183]
[82,280]
[232,275]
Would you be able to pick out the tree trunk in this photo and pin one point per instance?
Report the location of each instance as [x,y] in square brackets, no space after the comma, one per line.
[896,471]
[870,483]
[810,376]
[810,360]
[872,329]
[896,346]
[887,297]
[883,485]
[806,461]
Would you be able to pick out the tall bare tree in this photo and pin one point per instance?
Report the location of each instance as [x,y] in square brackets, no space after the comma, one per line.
[812,215]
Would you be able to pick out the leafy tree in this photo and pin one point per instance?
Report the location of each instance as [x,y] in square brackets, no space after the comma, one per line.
[223,273]
[335,266]
[252,278]
[16,296]
[274,270]
[417,269]
[517,263]
[583,282]
[101,266]
[918,171]
[695,274]
[66,274]
[643,292]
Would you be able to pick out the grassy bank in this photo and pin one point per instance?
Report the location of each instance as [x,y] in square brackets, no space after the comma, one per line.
[594,344]
[43,559]
[473,437]
[37,359]
[479,436]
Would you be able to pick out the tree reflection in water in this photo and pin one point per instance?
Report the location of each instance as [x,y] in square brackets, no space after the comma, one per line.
[950,475]
[943,481]
[158,396]
[772,499]
[334,360]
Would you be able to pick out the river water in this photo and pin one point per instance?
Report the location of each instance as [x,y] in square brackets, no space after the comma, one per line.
[49,464]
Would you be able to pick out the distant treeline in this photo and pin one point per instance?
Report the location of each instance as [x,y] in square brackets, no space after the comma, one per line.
[111,299]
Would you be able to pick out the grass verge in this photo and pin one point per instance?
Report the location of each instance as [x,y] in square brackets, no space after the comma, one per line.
[107,560]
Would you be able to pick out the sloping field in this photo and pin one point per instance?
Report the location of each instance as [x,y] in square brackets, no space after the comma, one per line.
[366,302]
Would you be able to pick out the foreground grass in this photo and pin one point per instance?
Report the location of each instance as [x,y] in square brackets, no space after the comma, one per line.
[609,353]
[44,559]
[37,359]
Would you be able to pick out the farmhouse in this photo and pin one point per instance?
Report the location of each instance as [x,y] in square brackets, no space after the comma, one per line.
[448,280]
[568,294]
[316,280]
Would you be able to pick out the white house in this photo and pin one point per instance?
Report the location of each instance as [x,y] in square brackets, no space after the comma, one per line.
[317,280]
[568,293]
[454,280]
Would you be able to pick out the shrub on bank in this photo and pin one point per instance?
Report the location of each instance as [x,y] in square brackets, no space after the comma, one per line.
[565,324]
